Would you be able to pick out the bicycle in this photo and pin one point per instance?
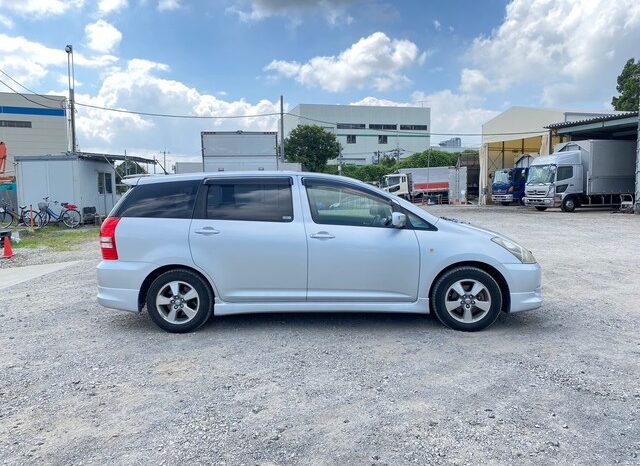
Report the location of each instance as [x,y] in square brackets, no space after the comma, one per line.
[69,214]
[27,217]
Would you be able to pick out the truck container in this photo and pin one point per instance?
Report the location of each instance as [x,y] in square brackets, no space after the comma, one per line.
[583,173]
[444,182]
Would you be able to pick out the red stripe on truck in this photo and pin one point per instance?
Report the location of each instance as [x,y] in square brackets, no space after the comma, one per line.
[439,186]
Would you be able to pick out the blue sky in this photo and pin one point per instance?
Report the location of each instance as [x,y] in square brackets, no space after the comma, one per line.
[467,60]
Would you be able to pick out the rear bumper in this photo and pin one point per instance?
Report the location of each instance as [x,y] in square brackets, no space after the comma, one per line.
[525,286]
[119,283]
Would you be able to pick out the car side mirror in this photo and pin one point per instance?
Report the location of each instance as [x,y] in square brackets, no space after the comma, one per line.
[398,220]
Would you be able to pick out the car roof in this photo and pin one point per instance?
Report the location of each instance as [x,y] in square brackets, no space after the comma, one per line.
[160,178]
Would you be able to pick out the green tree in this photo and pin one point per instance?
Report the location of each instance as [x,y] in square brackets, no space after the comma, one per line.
[628,87]
[311,146]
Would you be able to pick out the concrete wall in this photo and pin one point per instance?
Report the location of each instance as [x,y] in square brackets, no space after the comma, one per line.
[366,140]
[48,131]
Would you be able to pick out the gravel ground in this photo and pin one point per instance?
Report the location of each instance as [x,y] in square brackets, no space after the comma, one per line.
[83,384]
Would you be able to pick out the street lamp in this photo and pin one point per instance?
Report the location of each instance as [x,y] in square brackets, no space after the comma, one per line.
[72,85]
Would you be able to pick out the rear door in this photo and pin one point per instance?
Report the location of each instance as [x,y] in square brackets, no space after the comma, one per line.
[248,235]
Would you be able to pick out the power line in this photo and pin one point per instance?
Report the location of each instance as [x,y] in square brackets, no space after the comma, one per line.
[25,97]
[171,115]
[27,89]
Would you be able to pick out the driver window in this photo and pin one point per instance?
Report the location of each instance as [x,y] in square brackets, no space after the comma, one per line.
[339,205]
[564,173]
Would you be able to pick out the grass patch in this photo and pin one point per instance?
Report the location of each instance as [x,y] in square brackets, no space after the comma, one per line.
[56,238]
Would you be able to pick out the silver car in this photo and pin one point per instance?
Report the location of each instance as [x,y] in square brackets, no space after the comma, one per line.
[189,246]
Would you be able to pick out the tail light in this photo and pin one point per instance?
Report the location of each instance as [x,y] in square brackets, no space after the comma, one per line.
[108,238]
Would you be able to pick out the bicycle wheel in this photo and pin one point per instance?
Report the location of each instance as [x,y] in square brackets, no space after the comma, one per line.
[6,219]
[46,217]
[31,219]
[71,218]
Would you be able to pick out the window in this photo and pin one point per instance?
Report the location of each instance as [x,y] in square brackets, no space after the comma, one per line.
[100,183]
[564,173]
[14,124]
[382,139]
[160,200]
[377,126]
[267,200]
[413,127]
[351,126]
[418,223]
[107,183]
[351,139]
[341,205]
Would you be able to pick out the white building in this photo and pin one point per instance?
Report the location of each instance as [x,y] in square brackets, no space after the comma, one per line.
[35,126]
[367,132]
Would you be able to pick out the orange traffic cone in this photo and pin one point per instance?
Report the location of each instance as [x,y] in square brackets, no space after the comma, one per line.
[8,252]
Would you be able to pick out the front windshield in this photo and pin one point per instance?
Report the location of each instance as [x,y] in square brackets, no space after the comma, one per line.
[502,176]
[391,180]
[541,174]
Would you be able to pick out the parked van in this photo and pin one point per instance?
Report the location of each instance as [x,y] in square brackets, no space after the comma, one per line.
[189,246]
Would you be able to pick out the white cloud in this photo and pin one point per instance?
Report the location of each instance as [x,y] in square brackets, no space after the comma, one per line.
[6,21]
[40,8]
[450,112]
[29,62]
[335,11]
[573,49]
[169,5]
[473,81]
[437,24]
[102,36]
[111,6]
[374,62]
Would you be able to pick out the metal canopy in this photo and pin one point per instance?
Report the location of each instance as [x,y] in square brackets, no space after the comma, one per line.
[623,126]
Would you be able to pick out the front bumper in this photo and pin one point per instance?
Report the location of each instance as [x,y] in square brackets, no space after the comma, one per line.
[541,201]
[525,286]
[502,198]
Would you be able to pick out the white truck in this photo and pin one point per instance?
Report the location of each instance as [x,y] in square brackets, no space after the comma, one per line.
[448,182]
[582,173]
[242,151]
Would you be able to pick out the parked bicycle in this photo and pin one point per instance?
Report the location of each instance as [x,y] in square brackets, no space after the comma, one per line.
[27,217]
[69,214]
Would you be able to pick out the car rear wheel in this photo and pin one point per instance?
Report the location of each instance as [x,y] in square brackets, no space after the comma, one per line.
[467,299]
[179,301]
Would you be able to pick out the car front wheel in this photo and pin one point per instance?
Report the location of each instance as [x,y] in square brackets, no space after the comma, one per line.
[467,299]
[179,301]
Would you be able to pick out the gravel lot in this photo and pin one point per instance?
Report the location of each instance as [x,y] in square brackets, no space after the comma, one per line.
[84,384]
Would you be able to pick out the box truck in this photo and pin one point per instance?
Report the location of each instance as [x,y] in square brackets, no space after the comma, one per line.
[582,173]
[450,183]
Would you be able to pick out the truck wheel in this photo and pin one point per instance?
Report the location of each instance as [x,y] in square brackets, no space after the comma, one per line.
[505,203]
[466,299]
[179,301]
[540,208]
[569,204]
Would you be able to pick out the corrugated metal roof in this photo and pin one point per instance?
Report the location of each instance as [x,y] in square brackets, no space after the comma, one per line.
[613,116]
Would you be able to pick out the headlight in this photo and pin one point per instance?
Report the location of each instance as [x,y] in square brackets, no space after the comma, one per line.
[523,255]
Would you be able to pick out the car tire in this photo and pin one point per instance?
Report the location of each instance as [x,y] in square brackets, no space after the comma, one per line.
[179,301]
[457,295]
[569,204]
[540,208]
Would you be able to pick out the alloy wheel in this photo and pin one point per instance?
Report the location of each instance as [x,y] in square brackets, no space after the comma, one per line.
[178,302]
[468,301]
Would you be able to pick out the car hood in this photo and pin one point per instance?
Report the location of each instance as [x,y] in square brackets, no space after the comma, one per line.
[453,224]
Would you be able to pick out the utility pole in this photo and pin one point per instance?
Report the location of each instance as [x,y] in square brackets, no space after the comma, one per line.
[164,161]
[72,85]
[282,127]
[637,200]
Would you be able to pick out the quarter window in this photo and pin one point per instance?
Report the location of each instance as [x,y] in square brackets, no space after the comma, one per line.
[256,201]
[341,205]
[564,173]
[160,200]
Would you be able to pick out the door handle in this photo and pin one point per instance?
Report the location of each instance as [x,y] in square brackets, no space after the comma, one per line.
[207,231]
[322,235]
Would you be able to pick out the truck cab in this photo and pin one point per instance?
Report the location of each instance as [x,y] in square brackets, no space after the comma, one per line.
[555,181]
[509,186]
[398,184]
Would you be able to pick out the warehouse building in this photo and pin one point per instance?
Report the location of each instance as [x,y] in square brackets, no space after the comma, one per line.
[367,132]
[32,125]
[517,131]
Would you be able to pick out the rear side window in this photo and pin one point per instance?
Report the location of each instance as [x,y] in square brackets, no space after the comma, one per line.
[268,201]
[160,200]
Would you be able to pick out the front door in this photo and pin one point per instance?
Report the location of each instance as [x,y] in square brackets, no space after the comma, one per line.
[250,239]
[354,252]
